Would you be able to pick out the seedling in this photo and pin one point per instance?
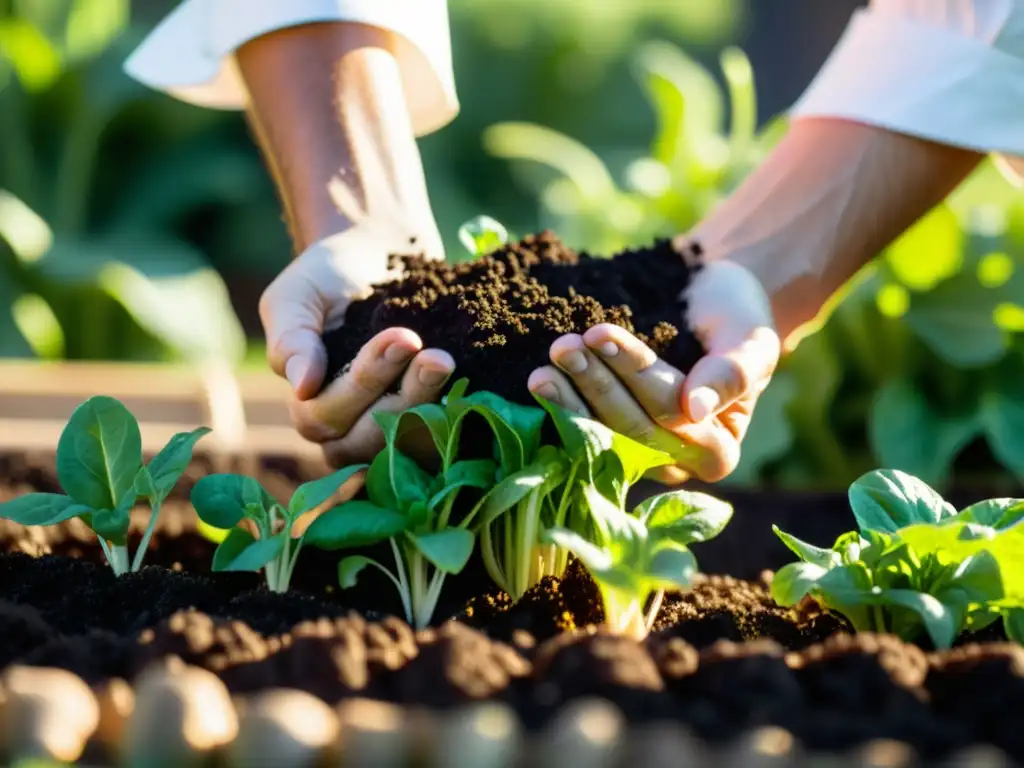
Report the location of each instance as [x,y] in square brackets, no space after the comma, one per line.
[916,564]
[482,235]
[224,501]
[632,556]
[100,468]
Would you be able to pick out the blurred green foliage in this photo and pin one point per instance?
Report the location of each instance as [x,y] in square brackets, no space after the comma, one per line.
[125,215]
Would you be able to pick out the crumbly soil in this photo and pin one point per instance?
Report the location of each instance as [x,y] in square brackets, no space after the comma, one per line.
[723,658]
[498,315]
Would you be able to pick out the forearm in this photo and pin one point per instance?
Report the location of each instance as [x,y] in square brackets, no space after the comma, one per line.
[328,111]
[828,198]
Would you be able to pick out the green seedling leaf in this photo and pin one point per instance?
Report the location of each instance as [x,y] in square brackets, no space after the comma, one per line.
[940,621]
[794,581]
[396,481]
[1013,624]
[825,558]
[378,482]
[112,524]
[223,500]
[354,524]
[448,550]
[685,516]
[510,445]
[457,392]
[526,422]
[168,465]
[350,567]
[547,472]
[470,473]
[311,495]
[596,560]
[240,551]
[482,235]
[672,568]
[887,500]
[99,453]
[42,509]
[433,416]
[995,513]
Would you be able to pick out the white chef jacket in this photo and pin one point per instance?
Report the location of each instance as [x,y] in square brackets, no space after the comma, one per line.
[947,70]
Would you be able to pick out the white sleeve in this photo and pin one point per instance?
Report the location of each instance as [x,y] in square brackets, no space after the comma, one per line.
[951,71]
[190,54]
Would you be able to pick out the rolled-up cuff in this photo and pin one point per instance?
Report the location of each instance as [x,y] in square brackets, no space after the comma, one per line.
[924,81]
[190,55]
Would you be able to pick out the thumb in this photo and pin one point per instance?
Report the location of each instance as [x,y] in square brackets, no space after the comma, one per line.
[292,311]
[719,379]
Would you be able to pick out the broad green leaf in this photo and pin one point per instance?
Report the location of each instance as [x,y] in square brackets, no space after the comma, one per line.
[42,509]
[672,568]
[223,500]
[469,473]
[111,524]
[457,392]
[940,621]
[888,499]
[1013,624]
[350,567]
[845,589]
[617,527]
[99,453]
[515,487]
[448,550]
[793,581]
[378,482]
[240,551]
[976,580]
[354,524]
[825,558]
[686,516]
[173,459]
[314,493]
[525,421]
[431,415]
[996,513]
[482,235]
[594,559]
[637,458]
[511,448]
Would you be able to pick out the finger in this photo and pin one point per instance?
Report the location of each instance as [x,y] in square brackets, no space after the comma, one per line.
[606,396]
[423,382]
[653,383]
[292,312]
[707,451]
[718,380]
[549,383]
[372,373]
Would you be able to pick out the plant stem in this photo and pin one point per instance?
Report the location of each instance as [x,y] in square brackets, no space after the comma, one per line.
[528,520]
[652,613]
[879,618]
[118,556]
[403,583]
[140,553]
[494,569]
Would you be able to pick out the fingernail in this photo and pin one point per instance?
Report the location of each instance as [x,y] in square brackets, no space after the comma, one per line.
[703,402]
[609,349]
[433,377]
[295,369]
[573,362]
[396,353]
[548,392]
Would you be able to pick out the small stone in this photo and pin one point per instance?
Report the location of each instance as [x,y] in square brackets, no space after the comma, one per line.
[587,733]
[46,713]
[284,728]
[116,701]
[479,736]
[373,733]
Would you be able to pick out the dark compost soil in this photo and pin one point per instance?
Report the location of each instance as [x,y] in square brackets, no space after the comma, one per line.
[724,658]
[497,316]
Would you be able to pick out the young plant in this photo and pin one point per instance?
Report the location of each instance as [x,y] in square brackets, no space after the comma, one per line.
[482,235]
[632,556]
[100,468]
[224,501]
[916,565]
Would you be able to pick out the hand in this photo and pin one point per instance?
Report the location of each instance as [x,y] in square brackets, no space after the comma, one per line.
[699,418]
[310,295]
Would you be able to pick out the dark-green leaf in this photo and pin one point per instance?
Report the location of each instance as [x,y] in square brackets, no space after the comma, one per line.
[354,524]
[42,509]
[221,500]
[685,516]
[240,551]
[887,500]
[173,459]
[447,550]
[314,493]
[99,453]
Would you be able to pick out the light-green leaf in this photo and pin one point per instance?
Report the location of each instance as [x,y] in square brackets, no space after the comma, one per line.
[99,453]
[672,568]
[42,509]
[825,558]
[240,551]
[996,513]
[541,475]
[686,516]
[173,459]
[888,499]
[354,524]
[223,500]
[594,559]
[314,493]
[350,567]
[448,550]
[939,620]
[793,581]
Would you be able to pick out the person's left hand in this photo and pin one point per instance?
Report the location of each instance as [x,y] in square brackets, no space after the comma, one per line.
[700,418]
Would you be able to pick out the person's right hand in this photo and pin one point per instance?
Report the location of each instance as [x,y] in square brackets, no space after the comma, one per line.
[310,295]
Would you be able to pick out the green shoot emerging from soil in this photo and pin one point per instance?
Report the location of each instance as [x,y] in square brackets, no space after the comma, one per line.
[916,564]
[241,505]
[100,468]
[482,235]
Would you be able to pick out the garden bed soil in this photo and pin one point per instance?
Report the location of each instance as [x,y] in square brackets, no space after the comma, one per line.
[723,658]
[498,315]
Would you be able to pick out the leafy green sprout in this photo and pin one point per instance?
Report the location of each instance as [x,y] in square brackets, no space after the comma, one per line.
[637,557]
[100,468]
[916,564]
[482,235]
[238,504]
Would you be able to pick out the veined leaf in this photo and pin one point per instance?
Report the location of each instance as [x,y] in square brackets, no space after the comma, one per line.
[888,499]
